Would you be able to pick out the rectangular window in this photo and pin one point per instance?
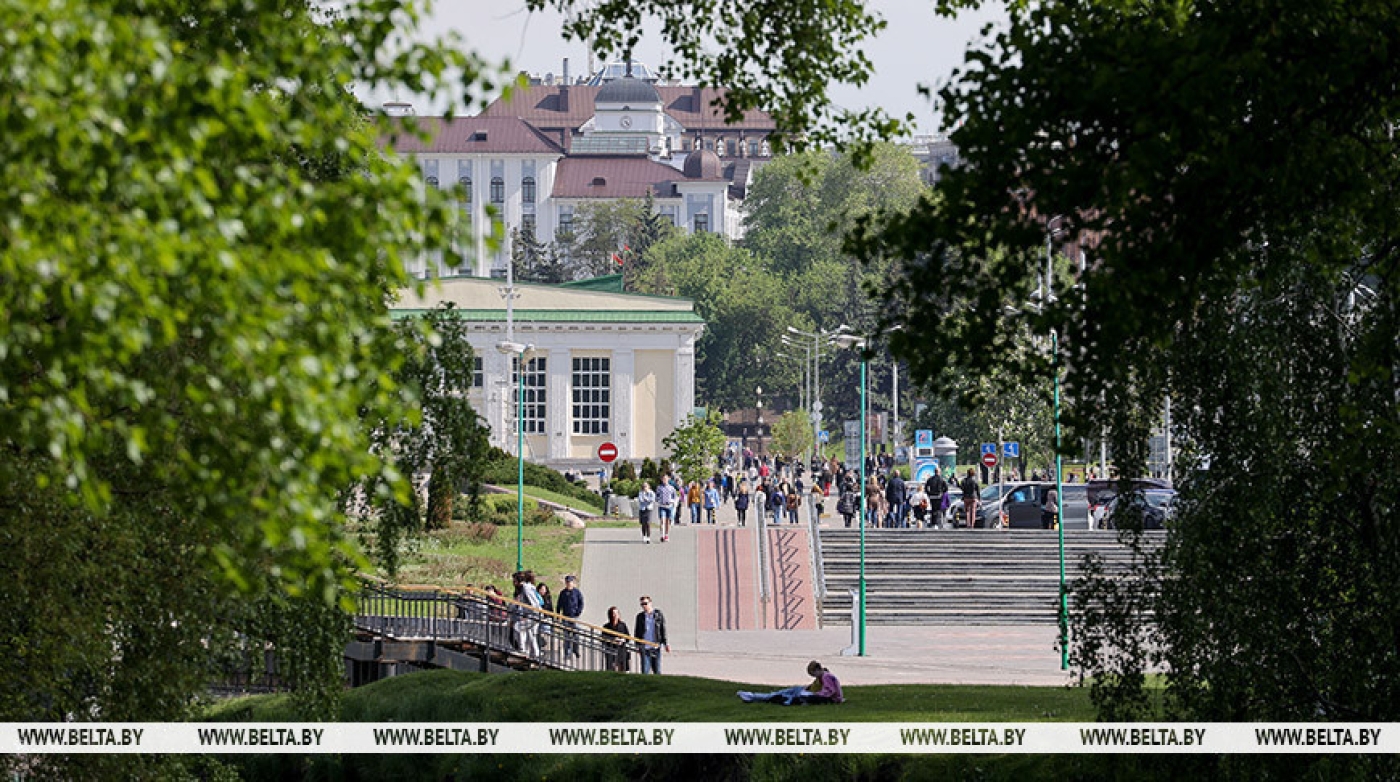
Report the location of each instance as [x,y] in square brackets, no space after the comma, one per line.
[478,373]
[527,223]
[592,395]
[533,414]
[702,223]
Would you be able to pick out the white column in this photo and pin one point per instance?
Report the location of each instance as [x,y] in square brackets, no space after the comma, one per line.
[623,369]
[496,367]
[685,380]
[560,403]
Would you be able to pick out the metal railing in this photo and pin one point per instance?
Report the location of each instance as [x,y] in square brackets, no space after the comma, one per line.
[494,626]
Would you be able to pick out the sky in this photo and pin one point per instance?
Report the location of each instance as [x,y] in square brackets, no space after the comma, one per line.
[916,48]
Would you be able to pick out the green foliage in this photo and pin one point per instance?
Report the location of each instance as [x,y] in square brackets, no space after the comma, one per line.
[745,309]
[1231,186]
[777,56]
[502,469]
[535,261]
[625,227]
[625,471]
[696,446]
[626,487]
[792,434]
[649,471]
[445,439]
[501,510]
[201,236]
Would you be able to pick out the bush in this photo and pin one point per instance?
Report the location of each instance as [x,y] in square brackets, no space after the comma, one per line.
[625,472]
[501,469]
[500,509]
[625,488]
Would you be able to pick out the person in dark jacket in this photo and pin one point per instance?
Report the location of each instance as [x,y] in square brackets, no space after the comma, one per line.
[971,493]
[651,626]
[618,656]
[570,605]
[895,496]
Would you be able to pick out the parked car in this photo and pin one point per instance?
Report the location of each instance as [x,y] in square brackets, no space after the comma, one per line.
[955,507]
[1101,492]
[1018,505]
[1154,505]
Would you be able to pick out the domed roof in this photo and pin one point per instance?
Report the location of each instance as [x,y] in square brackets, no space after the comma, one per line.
[628,90]
[703,164]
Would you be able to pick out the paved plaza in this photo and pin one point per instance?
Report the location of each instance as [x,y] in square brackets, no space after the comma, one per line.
[618,567]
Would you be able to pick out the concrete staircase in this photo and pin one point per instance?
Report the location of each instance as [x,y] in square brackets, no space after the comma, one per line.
[958,577]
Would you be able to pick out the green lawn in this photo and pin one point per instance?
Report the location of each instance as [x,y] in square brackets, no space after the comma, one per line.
[549,696]
[566,696]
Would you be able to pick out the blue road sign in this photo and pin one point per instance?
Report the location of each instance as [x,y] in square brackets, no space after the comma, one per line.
[824,436]
[1011,450]
[990,448]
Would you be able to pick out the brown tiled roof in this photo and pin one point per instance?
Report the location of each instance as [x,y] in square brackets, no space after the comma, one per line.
[546,107]
[621,178]
[473,134]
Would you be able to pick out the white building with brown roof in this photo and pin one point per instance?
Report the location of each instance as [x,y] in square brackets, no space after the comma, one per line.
[532,159]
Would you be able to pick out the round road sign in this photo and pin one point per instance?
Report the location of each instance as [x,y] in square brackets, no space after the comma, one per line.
[607,452]
[989,460]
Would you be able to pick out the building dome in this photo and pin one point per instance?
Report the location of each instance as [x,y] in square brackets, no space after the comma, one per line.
[703,164]
[628,90]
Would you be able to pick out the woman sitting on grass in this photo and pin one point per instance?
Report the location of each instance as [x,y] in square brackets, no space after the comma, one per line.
[824,689]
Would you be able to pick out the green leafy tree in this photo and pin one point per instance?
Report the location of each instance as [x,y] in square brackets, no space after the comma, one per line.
[745,314]
[443,439]
[695,446]
[202,237]
[792,434]
[1230,184]
[625,228]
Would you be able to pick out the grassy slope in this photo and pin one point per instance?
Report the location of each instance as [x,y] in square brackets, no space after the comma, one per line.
[546,696]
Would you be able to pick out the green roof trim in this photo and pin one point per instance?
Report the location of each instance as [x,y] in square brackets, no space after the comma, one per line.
[560,316]
[609,283]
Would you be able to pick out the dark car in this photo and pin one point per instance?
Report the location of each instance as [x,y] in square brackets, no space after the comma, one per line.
[1018,505]
[1153,505]
[1101,492]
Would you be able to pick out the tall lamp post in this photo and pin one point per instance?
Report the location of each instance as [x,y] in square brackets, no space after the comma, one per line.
[1049,296]
[852,341]
[519,351]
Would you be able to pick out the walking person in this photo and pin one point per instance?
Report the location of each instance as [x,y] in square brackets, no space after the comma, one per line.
[937,489]
[848,504]
[1050,511]
[741,501]
[776,501]
[817,507]
[971,493]
[711,502]
[874,498]
[646,501]
[895,496]
[526,623]
[617,654]
[665,506]
[571,605]
[692,498]
[650,625]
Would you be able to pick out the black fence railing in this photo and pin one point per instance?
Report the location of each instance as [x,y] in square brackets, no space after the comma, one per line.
[491,624]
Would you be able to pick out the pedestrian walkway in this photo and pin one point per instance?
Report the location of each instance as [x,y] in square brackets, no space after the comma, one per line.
[618,568]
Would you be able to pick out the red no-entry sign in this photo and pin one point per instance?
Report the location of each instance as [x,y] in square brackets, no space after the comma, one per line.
[607,452]
[989,460]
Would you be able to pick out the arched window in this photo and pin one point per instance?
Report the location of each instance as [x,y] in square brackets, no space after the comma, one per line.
[498,190]
[527,190]
[466,183]
[433,182]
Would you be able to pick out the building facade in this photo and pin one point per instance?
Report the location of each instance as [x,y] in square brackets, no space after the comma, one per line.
[604,367]
[534,159]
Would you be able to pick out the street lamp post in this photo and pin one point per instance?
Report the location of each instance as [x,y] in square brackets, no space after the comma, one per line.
[1048,297]
[852,341]
[519,351]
